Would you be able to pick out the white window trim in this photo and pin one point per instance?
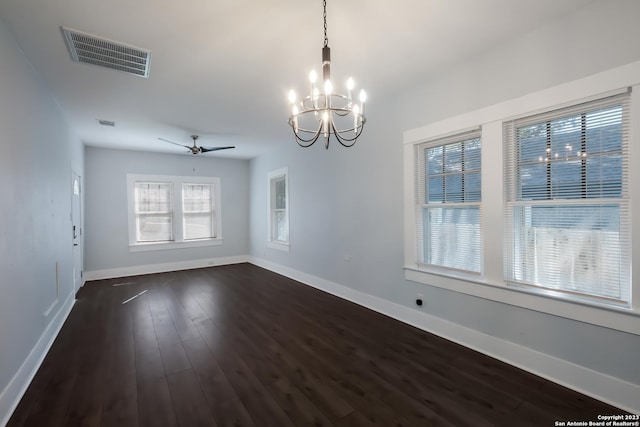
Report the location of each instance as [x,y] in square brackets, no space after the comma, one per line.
[178,242]
[271,176]
[491,284]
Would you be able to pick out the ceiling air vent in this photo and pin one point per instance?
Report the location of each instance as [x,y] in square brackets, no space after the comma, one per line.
[93,50]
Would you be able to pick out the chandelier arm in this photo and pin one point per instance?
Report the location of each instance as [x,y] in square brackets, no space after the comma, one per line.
[362,120]
[301,130]
[344,141]
[303,142]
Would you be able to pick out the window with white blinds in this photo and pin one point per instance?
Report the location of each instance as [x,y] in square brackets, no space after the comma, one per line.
[448,211]
[197,211]
[567,219]
[154,211]
[167,211]
[280,229]
[278,209]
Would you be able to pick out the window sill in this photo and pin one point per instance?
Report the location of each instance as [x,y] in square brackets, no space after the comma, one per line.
[145,247]
[281,246]
[606,315]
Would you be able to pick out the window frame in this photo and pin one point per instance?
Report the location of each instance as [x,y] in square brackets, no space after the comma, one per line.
[563,200]
[273,177]
[491,284]
[422,194]
[210,212]
[169,212]
[178,241]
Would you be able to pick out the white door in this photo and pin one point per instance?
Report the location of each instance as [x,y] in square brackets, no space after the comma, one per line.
[76,224]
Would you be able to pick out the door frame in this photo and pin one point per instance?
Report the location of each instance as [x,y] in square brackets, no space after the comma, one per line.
[77,235]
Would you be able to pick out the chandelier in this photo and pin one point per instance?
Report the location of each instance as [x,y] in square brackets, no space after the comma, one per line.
[327,113]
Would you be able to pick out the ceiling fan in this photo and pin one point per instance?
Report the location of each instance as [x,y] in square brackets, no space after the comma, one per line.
[195,149]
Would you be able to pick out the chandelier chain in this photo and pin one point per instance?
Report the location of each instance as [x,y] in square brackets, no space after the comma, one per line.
[324,15]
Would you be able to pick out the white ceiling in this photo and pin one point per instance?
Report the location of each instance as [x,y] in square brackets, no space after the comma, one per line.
[222,69]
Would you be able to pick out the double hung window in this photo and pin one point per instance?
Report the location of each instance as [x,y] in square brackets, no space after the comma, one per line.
[153,211]
[197,208]
[278,209]
[172,210]
[552,230]
[567,207]
[448,212]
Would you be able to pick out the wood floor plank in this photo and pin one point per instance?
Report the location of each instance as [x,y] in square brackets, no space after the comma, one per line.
[300,410]
[120,401]
[309,382]
[189,403]
[174,359]
[155,407]
[238,345]
[254,396]
[231,413]
[224,405]
[48,406]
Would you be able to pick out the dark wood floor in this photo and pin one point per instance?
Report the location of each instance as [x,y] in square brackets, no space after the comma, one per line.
[241,346]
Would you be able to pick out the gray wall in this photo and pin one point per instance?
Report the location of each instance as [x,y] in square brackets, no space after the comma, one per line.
[37,153]
[343,202]
[350,201]
[106,236]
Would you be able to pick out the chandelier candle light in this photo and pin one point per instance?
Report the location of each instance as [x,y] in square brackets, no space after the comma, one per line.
[327,113]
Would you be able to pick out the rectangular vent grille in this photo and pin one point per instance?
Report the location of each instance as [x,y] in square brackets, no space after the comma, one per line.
[93,50]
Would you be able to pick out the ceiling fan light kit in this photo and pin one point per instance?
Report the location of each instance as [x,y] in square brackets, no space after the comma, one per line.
[327,113]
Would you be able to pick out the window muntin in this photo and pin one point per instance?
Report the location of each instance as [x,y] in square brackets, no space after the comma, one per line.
[154,211]
[567,214]
[448,212]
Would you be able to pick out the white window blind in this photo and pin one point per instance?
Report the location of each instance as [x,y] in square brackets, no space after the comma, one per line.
[153,211]
[197,211]
[448,211]
[567,220]
[279,216]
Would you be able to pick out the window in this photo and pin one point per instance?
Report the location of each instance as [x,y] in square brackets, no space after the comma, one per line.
[173,211]
[278,209]
[448,209]
[558,200]
[197,208]
[567,207]
[153,211]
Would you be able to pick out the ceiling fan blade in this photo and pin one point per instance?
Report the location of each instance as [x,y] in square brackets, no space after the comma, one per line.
[207,149]
[175,143]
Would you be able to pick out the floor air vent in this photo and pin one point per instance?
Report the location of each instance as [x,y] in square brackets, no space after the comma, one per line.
[93,50]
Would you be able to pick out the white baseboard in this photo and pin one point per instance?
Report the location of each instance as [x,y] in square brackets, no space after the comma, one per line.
[611,390]
[138,270]
[11,395]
